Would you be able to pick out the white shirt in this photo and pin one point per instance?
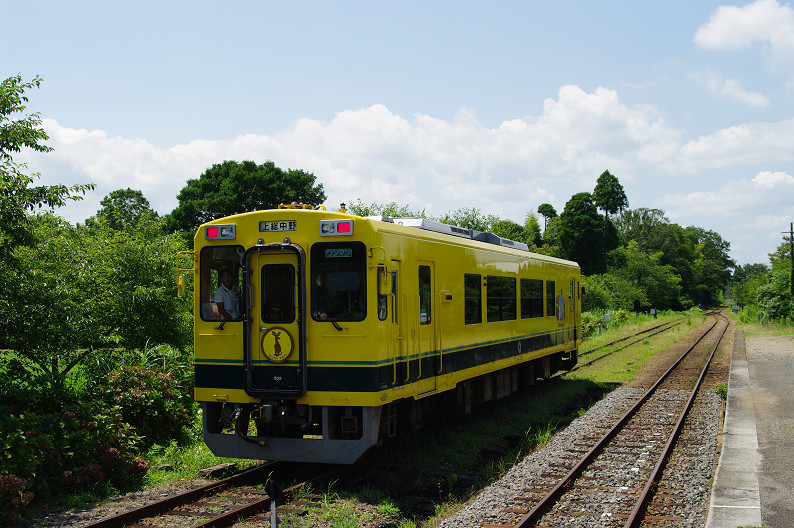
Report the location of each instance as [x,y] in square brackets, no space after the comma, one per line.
[230,297]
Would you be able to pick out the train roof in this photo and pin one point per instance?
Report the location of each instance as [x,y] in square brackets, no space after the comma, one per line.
[469,234]
[424,224]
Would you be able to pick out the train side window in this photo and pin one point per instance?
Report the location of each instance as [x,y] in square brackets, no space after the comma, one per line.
[425,295]
[551,299]
[501,292]
[531,298]
[472,285]
[213,261]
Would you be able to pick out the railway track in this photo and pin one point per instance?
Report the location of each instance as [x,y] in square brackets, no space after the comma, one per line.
[613,478]
[219,504]
[635,338]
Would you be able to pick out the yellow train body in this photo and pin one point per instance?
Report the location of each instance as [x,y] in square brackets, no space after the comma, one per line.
[350,329]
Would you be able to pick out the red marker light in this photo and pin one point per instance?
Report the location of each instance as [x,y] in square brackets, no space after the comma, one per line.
[212,232]
[344,227]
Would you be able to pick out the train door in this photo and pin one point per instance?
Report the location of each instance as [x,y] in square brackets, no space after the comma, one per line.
[275,358]
[426,358]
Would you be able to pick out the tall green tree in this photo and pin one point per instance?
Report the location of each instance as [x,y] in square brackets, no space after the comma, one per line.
[773,293]
[712,265]
[123,209]
[510,230]
[534,237]
[547,211]
[659,284]
[641,225]
[20,130]
[745,282]
[230,188]
[580,225]
[609,195]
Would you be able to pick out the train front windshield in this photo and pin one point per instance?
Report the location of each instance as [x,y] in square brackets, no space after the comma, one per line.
[338,281]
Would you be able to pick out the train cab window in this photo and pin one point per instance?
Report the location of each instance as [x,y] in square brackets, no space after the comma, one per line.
[425,295]
[278,293]
[472,285]
[551,299]
[501,293]
[338,281]
[531,298]
[215,263]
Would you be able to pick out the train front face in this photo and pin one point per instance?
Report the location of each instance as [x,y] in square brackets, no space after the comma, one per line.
[293,373]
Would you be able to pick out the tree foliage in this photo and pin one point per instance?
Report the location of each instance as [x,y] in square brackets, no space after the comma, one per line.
[123,209]
[469,218]
[532,230]
[230,188]
[609,195]
[581,225]
[19,130]
[390,210]
[79,289]
[547,211]
[659,284]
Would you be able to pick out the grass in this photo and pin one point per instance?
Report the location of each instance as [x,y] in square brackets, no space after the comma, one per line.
[622,366]
[184,463]
[769,329]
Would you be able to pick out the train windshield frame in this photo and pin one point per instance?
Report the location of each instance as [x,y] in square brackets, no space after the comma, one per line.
[338,281]
[214,260]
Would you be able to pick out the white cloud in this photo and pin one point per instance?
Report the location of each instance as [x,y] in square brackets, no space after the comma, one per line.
[737,145]
[377,156]
[731,89]
[751,213]
[770,180]
[733,28]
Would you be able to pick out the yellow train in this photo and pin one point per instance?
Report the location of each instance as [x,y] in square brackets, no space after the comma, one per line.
[349,330]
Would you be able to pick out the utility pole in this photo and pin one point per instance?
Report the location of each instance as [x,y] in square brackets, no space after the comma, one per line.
[791,254]
[790,234]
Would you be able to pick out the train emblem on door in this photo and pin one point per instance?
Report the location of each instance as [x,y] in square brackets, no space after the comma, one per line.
[277,344]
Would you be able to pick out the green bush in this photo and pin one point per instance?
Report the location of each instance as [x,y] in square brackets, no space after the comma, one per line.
[86,430]
[77,448]
[591,320]
[157,403]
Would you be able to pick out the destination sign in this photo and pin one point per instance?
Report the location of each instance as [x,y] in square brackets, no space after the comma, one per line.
[278,225]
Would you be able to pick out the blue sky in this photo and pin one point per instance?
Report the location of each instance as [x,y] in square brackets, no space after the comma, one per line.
[438,105]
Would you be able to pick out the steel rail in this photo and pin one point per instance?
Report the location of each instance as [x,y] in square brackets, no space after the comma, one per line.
[553,496]
[582,365]
[668,324]
[170,503]
[231,518]
[645,495]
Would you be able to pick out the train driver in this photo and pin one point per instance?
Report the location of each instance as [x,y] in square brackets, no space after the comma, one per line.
[227,296]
